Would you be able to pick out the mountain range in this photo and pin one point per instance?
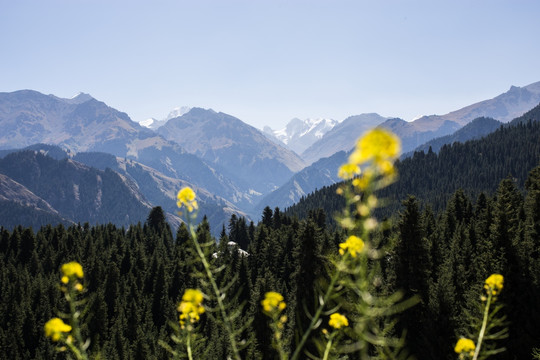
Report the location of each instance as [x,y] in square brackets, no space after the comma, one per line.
[434,131]
[28,117]
[236,149]
[505,107]
[473,167]
[233,166]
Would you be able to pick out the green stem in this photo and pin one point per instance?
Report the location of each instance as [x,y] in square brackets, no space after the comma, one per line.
[483,329]
[81,353]
[328,347]
[317,315]
[74,350]
[217,292]
[278,344]
[188,345]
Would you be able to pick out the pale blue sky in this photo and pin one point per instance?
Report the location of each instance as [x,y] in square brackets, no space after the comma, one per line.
[266,62]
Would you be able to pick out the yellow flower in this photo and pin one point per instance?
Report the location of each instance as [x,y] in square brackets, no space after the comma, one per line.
[55,328]
[377,144]
[353,244]
[337,321]
[193,295]
[494,284]
[465,346]
[273,301]
[186,197]
[348,171]
[191,306]
[71,270]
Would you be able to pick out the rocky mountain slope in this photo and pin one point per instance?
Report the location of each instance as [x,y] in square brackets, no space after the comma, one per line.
[236,149]
[85,124]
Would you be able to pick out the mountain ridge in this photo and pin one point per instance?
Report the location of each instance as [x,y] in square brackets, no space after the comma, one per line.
[237,149]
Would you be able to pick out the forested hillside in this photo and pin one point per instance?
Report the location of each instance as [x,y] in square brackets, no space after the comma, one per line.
[72,191]
[475,166]
[134,277]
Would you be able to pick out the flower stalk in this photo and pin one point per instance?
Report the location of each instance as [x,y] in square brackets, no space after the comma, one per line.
[186,198]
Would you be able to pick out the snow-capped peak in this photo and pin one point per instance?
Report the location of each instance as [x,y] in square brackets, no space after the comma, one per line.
[300,134]
[79,98]
[148,122]
[153,123]
[178,111]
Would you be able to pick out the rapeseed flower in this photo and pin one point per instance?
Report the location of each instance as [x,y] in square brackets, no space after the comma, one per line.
[186,197]
[191,306]
[273,301]
[71,270]
[337,321]
[377,145]
[494,284]
[353,245]
[55,328]
[466,346]
[348,171]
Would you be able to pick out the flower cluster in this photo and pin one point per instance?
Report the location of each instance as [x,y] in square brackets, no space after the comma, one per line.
[190,308]
[348,171]
[273,301]
[494,284]
[465,346]
[337,321]
[378,146]
[69,335]
[56,329]
[72,271]
[186,197]
[352,245]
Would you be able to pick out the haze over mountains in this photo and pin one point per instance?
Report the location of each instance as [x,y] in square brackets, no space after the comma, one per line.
[432,131]
[505,107]
[235,167]
[298,135]
[238,150]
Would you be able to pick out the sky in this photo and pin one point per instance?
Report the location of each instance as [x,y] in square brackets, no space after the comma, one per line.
[268,61]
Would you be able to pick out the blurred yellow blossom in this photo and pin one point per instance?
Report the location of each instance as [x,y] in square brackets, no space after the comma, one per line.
[494,284]
[348,171]
[337,321]
[186,197]
[465,345]
[55,328]
[71,270]
[353,245]
[273,301]
[191,306]
[377,145]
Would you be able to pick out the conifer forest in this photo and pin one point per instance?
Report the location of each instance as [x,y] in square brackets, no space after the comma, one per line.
[423,289]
